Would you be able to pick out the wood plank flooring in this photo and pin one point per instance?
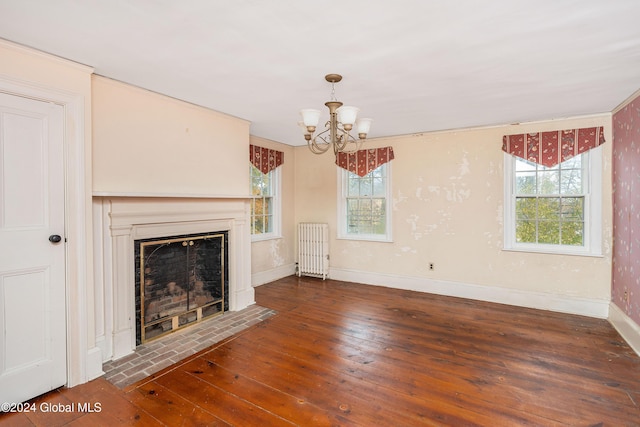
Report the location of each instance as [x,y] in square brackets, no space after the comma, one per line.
[354,355]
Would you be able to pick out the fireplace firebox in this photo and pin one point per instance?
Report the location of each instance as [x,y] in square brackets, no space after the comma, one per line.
[179,280]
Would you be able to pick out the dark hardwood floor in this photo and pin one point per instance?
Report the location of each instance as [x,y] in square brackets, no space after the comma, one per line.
[346,354]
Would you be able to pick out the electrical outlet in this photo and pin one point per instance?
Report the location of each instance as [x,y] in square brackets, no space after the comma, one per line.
[430,266]
[625,296]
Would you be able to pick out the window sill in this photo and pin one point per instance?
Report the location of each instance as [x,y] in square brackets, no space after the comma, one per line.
[555,251]
[366,238]
[264,237]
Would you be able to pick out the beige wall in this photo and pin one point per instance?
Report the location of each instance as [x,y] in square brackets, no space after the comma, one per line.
[448,210]
[151,144]
[272,259]
[34,67]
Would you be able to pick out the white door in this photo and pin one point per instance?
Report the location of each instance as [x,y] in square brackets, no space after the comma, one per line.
[32,265]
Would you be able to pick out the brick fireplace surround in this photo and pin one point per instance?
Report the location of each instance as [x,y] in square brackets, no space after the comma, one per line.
[122,220]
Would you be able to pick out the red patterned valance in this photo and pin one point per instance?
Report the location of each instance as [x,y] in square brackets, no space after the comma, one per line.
[265,159]
[551,148]
[362,162]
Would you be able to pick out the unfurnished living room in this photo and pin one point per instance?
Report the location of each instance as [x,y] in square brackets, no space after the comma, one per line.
[340,213]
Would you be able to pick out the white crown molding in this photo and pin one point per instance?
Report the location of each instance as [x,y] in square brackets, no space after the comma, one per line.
[47,56]
[626,102]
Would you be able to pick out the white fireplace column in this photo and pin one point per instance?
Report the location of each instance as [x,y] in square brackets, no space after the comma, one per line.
[123,294]
[134,218]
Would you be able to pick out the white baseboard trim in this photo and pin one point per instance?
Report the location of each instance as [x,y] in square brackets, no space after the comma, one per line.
[105,348]
[538,300]
[122,345]
[94,363]
[626,327]
[243,299]
[263,277]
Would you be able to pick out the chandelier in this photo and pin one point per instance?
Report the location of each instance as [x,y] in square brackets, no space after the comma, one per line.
[337,134]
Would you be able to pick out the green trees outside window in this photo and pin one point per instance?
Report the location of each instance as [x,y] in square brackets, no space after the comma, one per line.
[550,203]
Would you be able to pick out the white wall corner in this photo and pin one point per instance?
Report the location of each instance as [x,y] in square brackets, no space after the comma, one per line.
[537,300]
[626,327]
[262,277]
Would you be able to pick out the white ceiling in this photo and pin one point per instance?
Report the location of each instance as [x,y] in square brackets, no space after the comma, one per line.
[411,65]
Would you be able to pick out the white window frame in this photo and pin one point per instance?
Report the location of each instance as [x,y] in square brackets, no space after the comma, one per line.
[276,232]
[592,168]
[342,233]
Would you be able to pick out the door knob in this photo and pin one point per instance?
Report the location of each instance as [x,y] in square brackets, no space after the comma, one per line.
[55,238]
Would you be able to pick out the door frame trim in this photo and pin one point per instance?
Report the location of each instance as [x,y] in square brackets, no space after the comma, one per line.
[84,361]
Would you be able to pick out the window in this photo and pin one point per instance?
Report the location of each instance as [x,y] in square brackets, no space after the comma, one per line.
[363,206]
[554,209]
[265,204]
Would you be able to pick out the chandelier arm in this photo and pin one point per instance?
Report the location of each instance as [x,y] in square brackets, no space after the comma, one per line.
[348,143]
[340,143]
[344,135]
[356,144]
[343,139]
[319,144]
[318,148]
[323,136]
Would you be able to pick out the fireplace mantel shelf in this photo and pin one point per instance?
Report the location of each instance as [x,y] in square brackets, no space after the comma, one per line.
[169,195]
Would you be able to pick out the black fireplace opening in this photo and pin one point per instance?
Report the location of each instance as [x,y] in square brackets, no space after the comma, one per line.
[180,280]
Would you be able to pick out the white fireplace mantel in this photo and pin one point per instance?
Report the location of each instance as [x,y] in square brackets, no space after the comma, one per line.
[126,219]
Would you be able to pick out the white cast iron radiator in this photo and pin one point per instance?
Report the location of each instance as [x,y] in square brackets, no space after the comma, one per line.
[313,250]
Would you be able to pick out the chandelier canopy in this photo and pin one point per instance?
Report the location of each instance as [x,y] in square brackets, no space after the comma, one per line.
[337,134]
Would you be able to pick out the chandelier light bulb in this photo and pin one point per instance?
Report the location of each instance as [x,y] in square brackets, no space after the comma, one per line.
[303,127]
[363,126]
[347,115]
[310,117]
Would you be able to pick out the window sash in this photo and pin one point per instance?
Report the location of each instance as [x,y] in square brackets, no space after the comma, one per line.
[262,215]
[265,205]
[550,220]
[576,206]
[366,215]
[363,206]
